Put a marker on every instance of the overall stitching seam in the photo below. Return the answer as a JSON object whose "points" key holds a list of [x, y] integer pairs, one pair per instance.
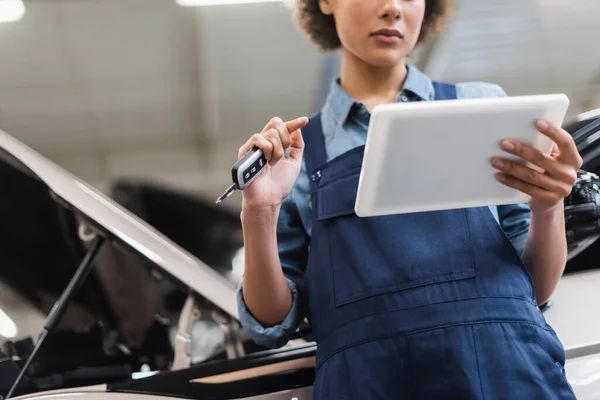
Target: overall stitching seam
{"points": [[539, 343], [340, 175], [470, 244], [480, 322], [498, 230], [415, 283], [444, 301], [331, 272], [477, 361], [350, 396], [563, 378], [310, 133], [332, 162], [412, 379]]}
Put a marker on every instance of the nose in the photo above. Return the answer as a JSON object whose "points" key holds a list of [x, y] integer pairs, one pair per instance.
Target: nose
{"points": [[391, 10]]}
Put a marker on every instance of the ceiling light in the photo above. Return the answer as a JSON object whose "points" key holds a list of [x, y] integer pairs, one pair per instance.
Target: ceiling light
{"points": [[8, 329], [11, 10], [197, 3]]}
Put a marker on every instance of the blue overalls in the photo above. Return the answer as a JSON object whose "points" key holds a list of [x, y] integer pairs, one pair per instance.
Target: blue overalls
{"points": [[433, 305]]}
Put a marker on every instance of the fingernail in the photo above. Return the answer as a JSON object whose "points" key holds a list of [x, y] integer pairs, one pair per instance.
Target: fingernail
{"points": [[508, 145], [542, 125], [501, 178], [498, 164]]}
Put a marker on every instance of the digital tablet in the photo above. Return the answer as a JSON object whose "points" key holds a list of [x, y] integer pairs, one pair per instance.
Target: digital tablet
{"points": [[435, 155]]}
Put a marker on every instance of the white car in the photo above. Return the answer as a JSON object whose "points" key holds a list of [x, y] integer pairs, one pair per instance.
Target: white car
{"points": [[150, 320]]}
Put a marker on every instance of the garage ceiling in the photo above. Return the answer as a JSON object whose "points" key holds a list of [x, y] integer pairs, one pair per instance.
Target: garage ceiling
{"points": [[146, 88]]}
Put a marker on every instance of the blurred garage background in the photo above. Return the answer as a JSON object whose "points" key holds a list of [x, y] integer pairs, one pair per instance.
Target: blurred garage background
{"points": [[149, 101], [156, 91]]}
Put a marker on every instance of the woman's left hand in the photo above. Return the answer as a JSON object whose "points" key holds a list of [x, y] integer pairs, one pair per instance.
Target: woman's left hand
{"points": [[547, 189]]}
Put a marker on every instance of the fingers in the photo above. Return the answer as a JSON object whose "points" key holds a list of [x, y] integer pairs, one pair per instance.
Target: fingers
{"points": [[531, 154], [289, 137], [548, 163], [564, 141], [296, 124], [554, 182], [561, 187], [280, 127], [297, 146], [536, 192], [276, 137], [259, 141]]}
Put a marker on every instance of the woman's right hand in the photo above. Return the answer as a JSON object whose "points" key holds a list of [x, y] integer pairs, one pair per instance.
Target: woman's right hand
{"points": [[274, 184]]}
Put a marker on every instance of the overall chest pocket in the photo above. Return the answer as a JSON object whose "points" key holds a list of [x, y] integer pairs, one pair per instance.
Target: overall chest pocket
{"points": [[377, 255]]}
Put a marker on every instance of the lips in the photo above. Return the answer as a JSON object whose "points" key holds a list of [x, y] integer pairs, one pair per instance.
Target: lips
{"points": [[388, 33]]}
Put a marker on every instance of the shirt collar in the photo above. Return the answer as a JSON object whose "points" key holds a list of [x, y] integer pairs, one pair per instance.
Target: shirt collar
{"points": [[416, 83]]}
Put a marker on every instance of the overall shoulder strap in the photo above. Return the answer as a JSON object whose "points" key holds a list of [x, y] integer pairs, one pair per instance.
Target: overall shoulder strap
{"points": [[314, 143], [444, 91]]}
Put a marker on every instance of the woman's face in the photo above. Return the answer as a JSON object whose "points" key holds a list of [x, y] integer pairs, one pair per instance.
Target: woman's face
{"points": [[379, 32]]}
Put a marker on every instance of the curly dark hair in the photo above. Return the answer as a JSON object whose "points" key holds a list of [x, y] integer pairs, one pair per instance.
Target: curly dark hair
{"points": [[321, 28]]}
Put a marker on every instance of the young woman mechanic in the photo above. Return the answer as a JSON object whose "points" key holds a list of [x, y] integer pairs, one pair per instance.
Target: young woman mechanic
{"points": [[427, 305]]}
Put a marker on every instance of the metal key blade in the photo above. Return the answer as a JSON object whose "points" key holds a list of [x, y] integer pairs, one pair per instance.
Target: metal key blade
{"points": [[227, 193]]}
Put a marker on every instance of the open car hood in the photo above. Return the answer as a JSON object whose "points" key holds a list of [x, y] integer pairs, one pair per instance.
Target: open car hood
{"points": [[27, 174]]}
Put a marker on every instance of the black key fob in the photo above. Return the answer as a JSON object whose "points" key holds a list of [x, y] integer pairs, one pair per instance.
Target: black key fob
{"points": [[247, 168]]}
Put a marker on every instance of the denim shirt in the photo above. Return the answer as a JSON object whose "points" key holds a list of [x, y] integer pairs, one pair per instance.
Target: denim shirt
{"points": [[345, 122]]}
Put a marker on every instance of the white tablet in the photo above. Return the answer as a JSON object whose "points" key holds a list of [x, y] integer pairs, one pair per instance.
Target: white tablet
{"points": [[435, 155]]}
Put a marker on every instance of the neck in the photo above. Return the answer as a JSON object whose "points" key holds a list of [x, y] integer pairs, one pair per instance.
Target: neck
{"points": [[371, 85]]}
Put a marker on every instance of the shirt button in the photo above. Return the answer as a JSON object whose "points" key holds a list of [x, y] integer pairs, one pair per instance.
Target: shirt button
{"points": [[404, 99]]}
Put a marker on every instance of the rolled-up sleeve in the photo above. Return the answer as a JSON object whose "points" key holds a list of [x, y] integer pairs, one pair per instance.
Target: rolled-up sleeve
{"points": [[292, 242], [274, 336]]}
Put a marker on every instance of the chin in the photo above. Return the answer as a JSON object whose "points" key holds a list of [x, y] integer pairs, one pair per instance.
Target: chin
{"points": [[386, 59]]}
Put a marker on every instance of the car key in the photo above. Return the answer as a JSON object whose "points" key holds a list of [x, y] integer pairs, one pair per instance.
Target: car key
{"points": [[245, 171]]}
